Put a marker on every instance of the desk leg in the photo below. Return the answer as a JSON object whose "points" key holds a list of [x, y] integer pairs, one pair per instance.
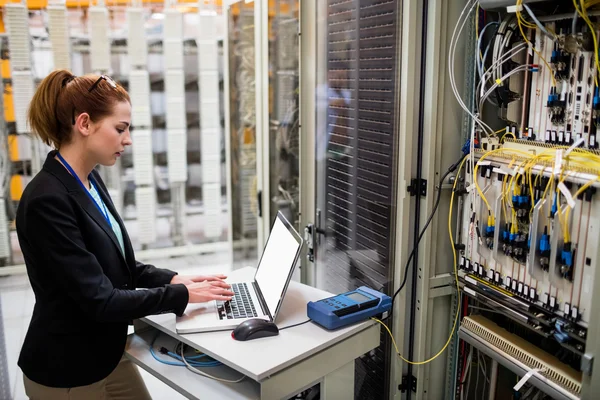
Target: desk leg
{"points": [[339, 384]]}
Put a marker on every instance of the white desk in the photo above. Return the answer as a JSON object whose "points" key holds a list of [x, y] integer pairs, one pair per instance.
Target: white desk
{"points": [[276, 367]]}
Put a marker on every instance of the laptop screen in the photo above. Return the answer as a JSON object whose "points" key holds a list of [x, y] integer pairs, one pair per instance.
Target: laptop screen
{"points": [[277, 262]]}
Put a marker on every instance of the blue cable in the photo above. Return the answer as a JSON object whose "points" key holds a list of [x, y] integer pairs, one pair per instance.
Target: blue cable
{"points": [[190, 359]]}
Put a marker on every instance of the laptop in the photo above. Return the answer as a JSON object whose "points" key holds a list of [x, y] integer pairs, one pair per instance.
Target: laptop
{"points": [[260, 298]]}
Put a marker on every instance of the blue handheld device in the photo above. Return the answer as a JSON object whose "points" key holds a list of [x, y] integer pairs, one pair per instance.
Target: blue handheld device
{"points": [[348, 308]]}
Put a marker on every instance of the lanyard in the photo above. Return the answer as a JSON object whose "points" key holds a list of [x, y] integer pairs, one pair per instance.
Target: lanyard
{"points": [[102, 210]]}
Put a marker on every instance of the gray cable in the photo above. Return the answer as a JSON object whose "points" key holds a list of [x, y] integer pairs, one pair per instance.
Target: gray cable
{"points": [[537, 22]]}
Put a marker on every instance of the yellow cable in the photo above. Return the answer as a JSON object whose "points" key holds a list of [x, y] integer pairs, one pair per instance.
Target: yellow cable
{"points": [[520, 23], [456, 281]]}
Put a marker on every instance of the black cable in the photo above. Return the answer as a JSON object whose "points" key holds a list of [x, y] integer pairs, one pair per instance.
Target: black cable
{"points": [[298, 324], [451, 169]]}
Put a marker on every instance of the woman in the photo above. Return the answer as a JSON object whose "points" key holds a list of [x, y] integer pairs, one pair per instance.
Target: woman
{"points": [[79, 257]]}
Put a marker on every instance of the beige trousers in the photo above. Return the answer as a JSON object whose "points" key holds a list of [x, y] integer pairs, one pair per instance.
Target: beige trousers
{"points": [[124, 383]]}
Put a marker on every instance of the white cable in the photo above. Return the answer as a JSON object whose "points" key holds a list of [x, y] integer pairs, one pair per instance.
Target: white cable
{"points": [[498, 64], [480, 63], [521, 68], [197, 371], [451, 61]]}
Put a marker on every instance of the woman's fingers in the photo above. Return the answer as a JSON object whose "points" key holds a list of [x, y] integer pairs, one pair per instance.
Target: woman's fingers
{"points": [[220, 284], [220, 297], [222, 291]]}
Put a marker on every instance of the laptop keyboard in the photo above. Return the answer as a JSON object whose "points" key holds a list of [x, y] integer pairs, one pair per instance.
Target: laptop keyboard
{"points": [[240, 306]]}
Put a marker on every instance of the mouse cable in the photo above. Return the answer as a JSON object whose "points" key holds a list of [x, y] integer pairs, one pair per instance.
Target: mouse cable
{"points": [[450, 169], [298, 324], [455, 267], [198, 372]]}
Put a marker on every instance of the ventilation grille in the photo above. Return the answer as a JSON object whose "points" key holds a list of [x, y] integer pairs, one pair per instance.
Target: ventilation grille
{"points": [[59, 36], [22, 93], [99, 39], [361, 67], [145, 202], [139, 90], [17, 24], [137, 47], [525, 352], [142, 158], [177, 155]]}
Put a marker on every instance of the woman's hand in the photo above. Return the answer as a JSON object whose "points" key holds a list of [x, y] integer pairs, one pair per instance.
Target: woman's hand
{"points": [[200, 292], [189, 279]]}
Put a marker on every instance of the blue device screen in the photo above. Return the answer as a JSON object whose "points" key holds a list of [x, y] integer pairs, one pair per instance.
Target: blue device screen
{"points": [[357, 297]]}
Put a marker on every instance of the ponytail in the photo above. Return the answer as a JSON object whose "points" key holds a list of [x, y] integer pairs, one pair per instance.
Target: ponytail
{"points": [[46, 109], [61, 97]]}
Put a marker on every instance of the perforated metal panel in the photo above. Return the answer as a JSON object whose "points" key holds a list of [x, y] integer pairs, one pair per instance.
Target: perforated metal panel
{"points": [[137, 46], [145, 201], [362, 54], [142, 158], [58, 28], [22, 94], [173, 25], [17, 25], [99, 40], [177, 155], [175, 96], [139, 91], [210, 123]]}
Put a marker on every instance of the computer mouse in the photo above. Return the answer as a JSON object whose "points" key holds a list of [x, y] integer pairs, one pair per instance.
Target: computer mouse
{"points": [[253, 329]]}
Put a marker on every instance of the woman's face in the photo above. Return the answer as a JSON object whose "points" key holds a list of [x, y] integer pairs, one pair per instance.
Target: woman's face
{"points": [[111, 135]]}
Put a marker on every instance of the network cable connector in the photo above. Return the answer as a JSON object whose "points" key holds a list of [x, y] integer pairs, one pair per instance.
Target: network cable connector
{"points": [[19, 43], [566, 258], [58, 28], [137, 46], [99, 38]]}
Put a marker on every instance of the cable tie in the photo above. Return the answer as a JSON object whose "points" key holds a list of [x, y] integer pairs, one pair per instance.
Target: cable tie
{"points": [[567, 194], [577, 143], [524, 379]]}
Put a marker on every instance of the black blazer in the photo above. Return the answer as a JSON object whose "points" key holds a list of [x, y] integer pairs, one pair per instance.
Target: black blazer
{"points": [[84, 286]]}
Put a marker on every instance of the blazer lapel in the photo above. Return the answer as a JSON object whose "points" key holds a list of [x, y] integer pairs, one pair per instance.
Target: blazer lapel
{"points": [[85, 200], [90, 207]]}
